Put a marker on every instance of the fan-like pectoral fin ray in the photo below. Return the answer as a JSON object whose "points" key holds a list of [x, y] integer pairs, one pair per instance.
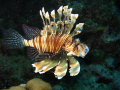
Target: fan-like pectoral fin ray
{"points": [[45, 65], [61, 69], [74, 66]]}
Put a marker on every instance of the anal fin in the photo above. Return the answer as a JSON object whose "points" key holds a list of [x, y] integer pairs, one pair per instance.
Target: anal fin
{"points": [[32, 52]]}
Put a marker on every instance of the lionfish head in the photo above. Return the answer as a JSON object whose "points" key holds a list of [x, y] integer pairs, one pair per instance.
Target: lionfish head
{"points": [[79, 49]]}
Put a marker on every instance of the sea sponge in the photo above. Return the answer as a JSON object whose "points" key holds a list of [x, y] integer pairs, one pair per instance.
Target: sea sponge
{"points": [[38, 84]]}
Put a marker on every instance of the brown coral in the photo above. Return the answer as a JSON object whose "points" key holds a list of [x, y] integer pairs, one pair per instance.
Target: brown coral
{"points": [[38, 84]]}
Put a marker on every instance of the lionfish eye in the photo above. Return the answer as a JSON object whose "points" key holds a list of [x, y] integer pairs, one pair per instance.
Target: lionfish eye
{"points": [[86, 50], [77, 44]]}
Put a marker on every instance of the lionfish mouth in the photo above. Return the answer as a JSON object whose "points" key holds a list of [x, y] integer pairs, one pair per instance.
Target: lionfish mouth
{"points": [[60, 63]]}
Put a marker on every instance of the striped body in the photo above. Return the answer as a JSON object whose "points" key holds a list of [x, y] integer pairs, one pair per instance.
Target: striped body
{"points": [[50, 43]]}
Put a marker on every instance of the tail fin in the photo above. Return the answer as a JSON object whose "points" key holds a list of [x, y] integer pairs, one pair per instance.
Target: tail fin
{"points": [[12, 39]]}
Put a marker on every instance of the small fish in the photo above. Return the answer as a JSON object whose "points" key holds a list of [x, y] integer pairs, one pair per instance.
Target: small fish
{"points": [[54, 46]]}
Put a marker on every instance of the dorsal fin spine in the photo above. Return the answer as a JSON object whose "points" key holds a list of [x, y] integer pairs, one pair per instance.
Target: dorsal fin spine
{"points": [[60, 12], [43, 11], [60, 30], [42, 17], [78, 29], [45, 15], [65, 11], [53, 16]]}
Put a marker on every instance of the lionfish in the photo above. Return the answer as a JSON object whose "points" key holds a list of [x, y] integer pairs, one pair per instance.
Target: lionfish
{"points": [[54, 46]]}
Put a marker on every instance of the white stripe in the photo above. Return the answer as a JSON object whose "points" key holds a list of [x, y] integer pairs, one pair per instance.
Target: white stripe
{"points": [[31, 43]]}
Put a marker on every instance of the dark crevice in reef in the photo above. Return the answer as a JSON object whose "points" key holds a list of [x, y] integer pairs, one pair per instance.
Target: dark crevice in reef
{"points": [[104, 80]]}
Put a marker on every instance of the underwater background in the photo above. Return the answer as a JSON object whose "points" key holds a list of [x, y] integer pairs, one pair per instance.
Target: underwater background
{"points": [[100, 69]]}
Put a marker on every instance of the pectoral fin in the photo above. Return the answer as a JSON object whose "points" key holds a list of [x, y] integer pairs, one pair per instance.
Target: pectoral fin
{"points": [[74, 66]]}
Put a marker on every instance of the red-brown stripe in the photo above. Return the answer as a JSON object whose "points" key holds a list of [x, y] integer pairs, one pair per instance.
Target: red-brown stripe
{"points": [[33, 43], [40, 44]]}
